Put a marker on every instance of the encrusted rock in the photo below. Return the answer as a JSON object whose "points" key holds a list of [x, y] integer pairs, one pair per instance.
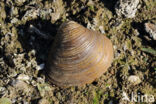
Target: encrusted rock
{"points": [[151, 29], [53, 9], [21, 85], [127, 8]]}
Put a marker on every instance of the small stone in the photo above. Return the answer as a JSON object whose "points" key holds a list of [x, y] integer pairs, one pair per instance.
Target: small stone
{"points": [[14, 20], [136, 32], [101, 29], [127, 8], [23, 77], [19, 2], [43, 101], [21, 85], [151, 29], [41, 80], [134, 79], [43, 89]]}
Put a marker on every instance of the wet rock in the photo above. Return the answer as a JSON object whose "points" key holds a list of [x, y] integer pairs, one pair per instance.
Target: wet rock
{"points": [[151, 29], [134, 79], [127, 8]]}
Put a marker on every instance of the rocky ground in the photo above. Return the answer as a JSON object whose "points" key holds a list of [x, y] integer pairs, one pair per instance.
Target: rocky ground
{"points": [[28, 28]]}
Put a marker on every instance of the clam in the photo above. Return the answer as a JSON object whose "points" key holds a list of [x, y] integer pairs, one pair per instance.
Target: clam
{"points": [[78, 56]]}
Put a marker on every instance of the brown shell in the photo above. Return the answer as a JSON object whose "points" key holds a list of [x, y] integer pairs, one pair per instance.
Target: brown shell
{"points": [[78, 55]]}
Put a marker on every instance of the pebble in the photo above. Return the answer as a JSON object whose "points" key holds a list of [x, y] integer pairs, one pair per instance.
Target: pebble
{"points": [[14, 20], [101, 29], [43, 101], [134, 79], [127, 8], [23, 77], [151, 29]]}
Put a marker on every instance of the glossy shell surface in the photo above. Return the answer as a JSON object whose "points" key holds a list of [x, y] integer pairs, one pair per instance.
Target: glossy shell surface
{"points": [[78, 55]]}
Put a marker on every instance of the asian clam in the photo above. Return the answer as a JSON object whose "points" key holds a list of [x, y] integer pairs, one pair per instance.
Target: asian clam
{"points": [[78, 55]]}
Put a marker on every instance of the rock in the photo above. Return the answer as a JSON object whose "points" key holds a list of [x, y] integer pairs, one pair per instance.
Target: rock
{"points": [[21, 85], [58, 8], [23, 77], [151, 29], [45, 13], [43, 101], [134, 79], [31, 14], [44, 89], [127, 8], [20, 2], [102, 29], [14, 20]]}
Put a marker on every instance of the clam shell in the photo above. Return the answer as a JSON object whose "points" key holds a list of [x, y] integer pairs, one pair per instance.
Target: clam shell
{"points": [[78, 55]]}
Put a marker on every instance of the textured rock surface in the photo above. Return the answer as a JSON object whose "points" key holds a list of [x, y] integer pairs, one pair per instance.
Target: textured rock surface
{"points": [[151, 29], [127, 8]]}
